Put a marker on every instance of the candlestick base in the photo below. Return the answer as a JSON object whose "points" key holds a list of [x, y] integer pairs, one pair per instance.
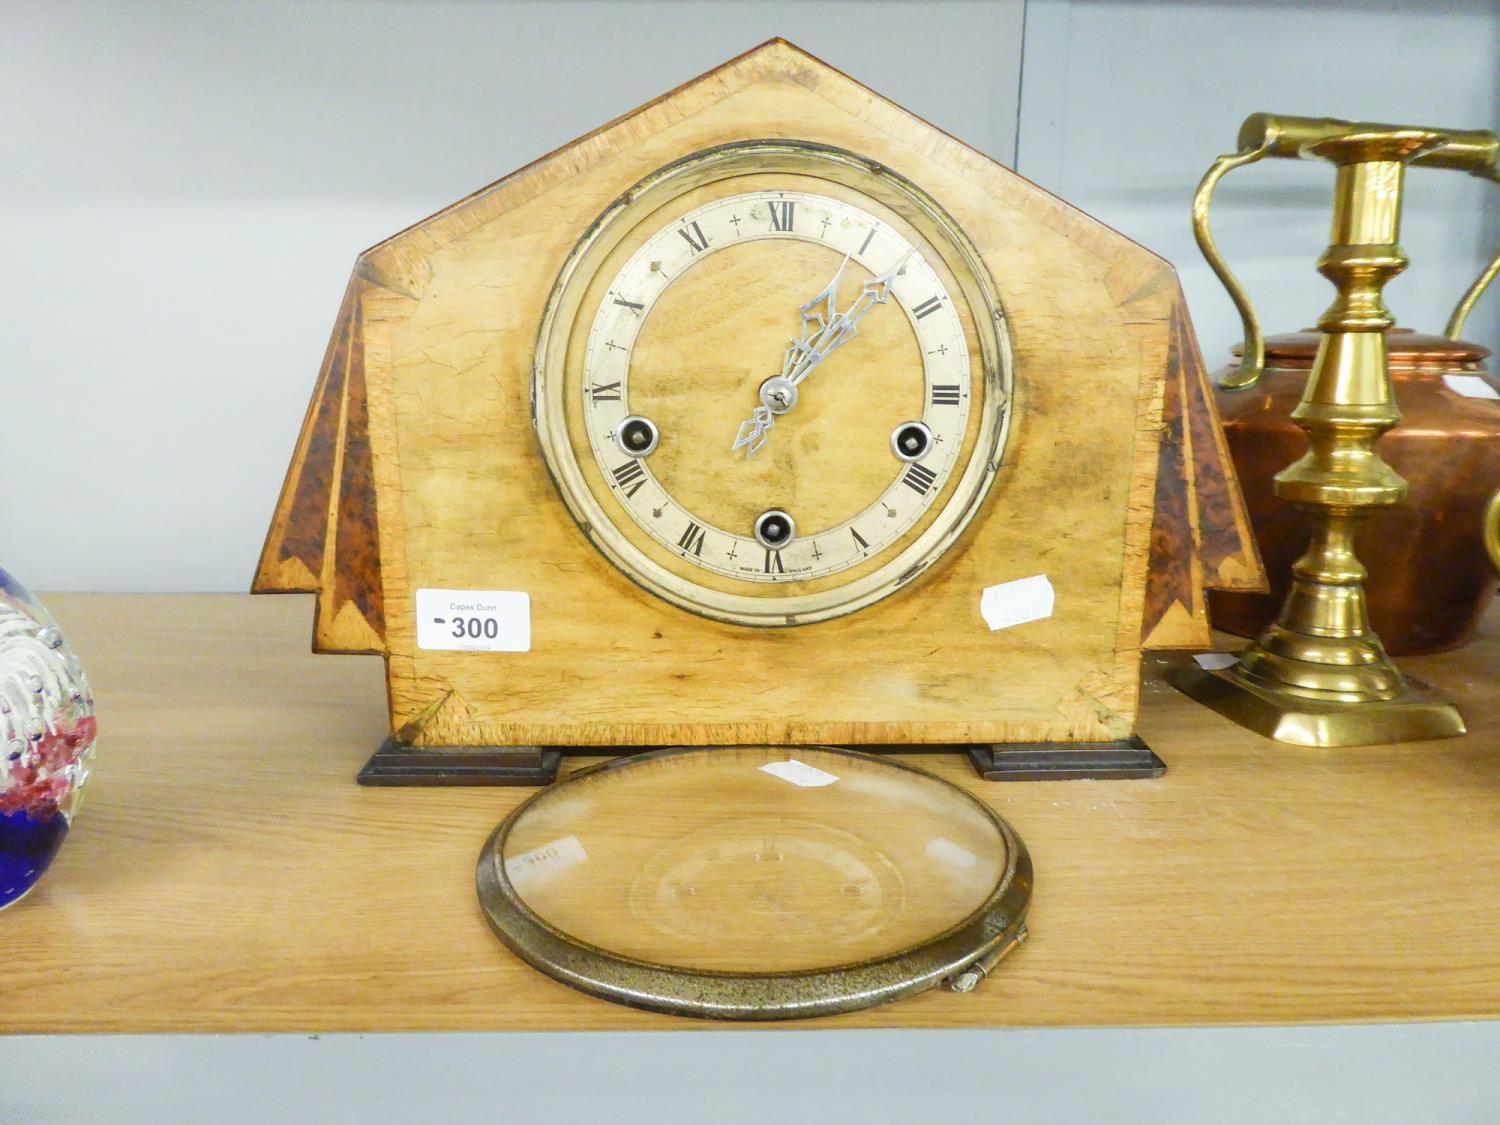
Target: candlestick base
{"points": [[1306, 717]]}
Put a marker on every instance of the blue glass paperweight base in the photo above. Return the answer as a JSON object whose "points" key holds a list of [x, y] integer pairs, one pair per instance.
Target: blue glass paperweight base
{"points": [[47, 732], [28, 843]]}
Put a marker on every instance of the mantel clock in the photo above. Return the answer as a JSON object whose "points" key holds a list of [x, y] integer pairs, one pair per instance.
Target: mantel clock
{"points": [[766, 414]]}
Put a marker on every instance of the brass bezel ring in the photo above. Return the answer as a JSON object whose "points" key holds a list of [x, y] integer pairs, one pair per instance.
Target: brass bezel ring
{"points": [[760, 995]]}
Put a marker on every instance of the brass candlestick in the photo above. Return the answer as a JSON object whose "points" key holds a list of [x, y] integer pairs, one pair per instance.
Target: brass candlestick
{"points": [[1318, 676]]}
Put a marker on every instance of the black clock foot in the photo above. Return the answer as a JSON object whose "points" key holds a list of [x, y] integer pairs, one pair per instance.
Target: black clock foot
{"points": [[1065, 761], [396, 764]]}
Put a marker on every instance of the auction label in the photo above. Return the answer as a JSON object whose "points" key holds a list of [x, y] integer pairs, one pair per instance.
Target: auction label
{"points": [[548, 859], [1470, 386], [1016, 603], [946, 851], [1213, 661], [800, 773], [474, 620]]}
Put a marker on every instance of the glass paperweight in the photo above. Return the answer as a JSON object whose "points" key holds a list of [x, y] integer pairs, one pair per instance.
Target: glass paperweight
{"points": [[756, 882], [47, 734]]}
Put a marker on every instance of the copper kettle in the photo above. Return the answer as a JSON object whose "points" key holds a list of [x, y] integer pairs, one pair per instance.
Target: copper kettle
{"points": [[1429, 575]]}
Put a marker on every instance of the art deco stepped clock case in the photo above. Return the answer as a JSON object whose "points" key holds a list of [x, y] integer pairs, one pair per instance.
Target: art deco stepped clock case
{"points": [[716, 426]]}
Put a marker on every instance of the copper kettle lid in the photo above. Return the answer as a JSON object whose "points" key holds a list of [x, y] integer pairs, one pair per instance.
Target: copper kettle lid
{"points": [[1407, 349]]}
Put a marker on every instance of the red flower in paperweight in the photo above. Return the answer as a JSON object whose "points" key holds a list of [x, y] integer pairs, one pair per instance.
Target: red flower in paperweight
{"points": [[47, 731]]}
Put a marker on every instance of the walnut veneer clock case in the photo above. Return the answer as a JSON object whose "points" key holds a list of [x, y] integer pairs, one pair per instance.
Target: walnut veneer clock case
{"points": [[746, 398]]}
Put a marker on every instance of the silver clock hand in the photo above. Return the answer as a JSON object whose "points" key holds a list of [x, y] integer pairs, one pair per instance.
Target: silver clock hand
{"points": [[841, 327], [824, 331]]}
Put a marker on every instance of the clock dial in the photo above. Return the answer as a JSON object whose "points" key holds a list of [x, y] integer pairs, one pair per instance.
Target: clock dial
{"points": [[876, 273], [772, 383]]}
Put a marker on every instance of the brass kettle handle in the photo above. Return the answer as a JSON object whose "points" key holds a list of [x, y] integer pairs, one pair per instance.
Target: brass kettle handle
{"points": [[1475, 151], [1471, 297]]}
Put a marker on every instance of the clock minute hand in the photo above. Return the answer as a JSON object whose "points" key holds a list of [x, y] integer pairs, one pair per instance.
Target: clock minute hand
{"points": [[824, 331], [838, 328]]}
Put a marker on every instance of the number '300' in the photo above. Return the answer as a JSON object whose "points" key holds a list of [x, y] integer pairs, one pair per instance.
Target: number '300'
{"points": [[476, 627]]}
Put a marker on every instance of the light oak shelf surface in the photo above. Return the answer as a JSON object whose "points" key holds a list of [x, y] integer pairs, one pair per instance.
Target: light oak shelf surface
{"points": [[226, 874]]}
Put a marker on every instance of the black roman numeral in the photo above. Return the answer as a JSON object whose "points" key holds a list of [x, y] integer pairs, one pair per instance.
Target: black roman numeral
{"points": [[630, 476], [945, 394], [773, 562], [692, 539], [858, 538], [605, 392], [781, 214], [919, 479], [630, 304], [698, 243], [927, 307], [865, 245]]}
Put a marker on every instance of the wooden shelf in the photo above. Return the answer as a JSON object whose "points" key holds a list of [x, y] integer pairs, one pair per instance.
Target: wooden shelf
{"points": [[226, 874]]}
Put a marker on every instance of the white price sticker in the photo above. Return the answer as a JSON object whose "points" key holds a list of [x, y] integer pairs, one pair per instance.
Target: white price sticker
{"points": [[474, 620], [1015, 603], [1471, 386], [551, 858], [800, 773], [1213, 661], [945, 850]]}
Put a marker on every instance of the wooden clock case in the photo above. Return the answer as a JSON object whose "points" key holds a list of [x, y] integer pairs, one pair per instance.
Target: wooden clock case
{"points": [[418, 466]]}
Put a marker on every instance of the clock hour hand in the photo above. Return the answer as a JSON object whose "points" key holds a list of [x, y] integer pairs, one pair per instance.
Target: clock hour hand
{"points": [[824, 330]]}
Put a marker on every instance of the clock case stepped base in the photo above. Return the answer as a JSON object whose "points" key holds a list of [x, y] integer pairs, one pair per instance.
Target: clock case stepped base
{"points": [[398, 764], [1122, 760]]}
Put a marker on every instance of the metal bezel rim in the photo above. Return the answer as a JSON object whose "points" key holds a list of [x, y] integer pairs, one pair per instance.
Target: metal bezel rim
{"points": [[750, 995]]}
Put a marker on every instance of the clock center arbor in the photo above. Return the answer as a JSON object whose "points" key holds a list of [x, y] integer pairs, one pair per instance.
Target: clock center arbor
{"points": [[747, 419]]}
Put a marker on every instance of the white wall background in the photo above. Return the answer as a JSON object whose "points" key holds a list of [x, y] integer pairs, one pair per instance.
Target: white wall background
{"points": [[1125, 103], [184, 187]]}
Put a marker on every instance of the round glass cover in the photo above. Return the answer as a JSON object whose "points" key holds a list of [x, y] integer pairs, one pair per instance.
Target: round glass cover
{"points": [[755, 882]]}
